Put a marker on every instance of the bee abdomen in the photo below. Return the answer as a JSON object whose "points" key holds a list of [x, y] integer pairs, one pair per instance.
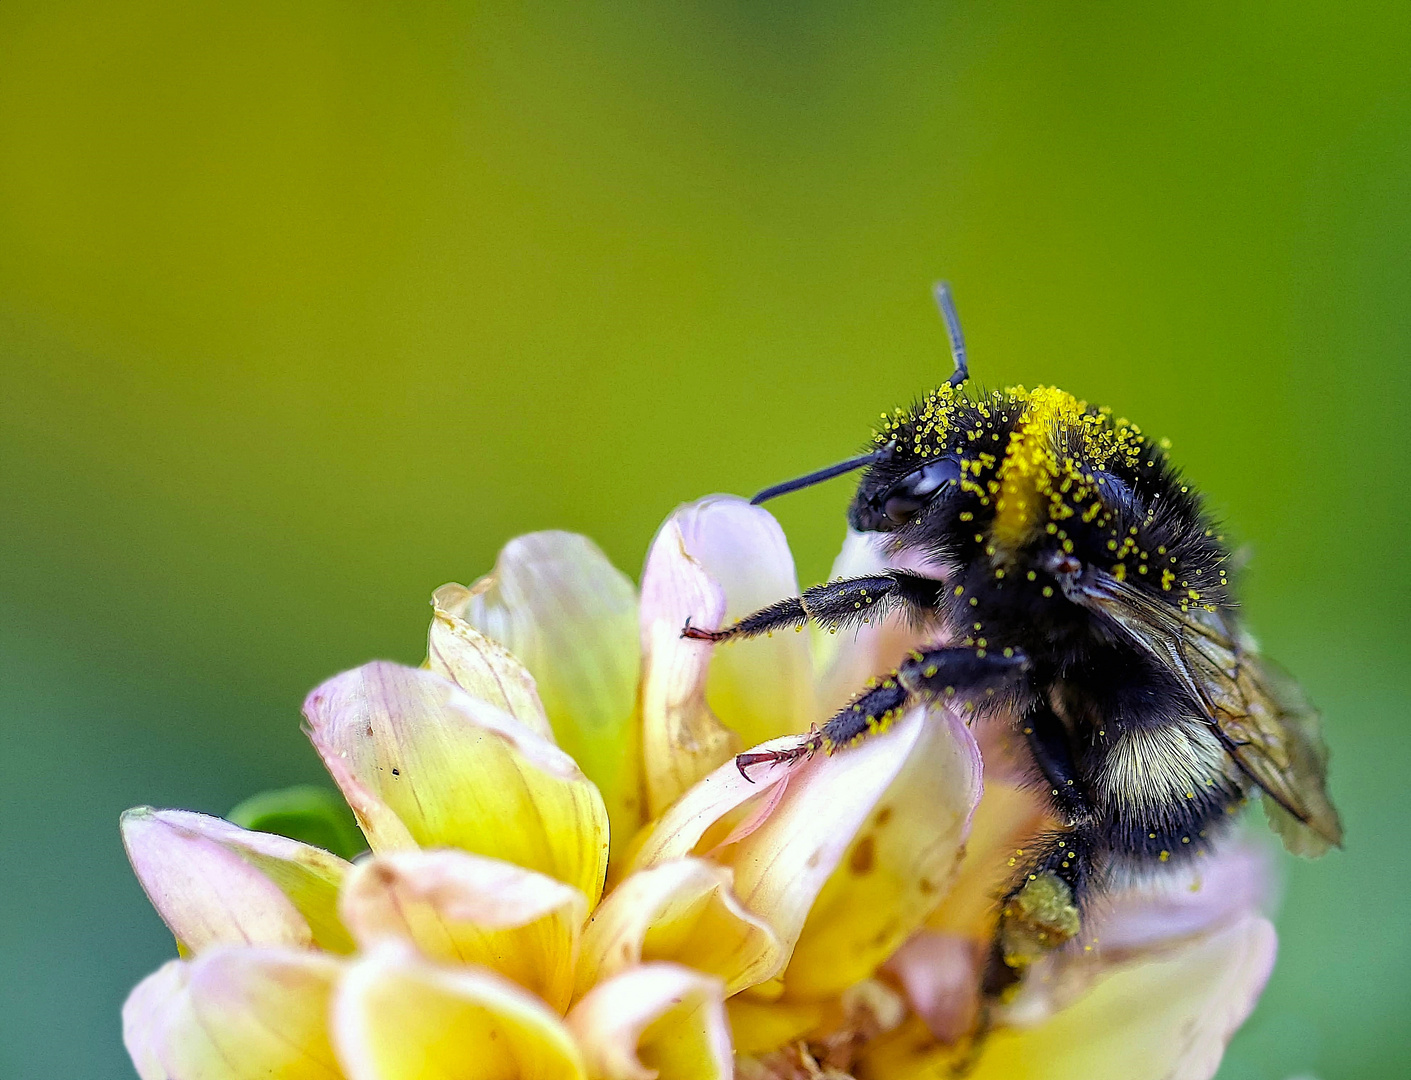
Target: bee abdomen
{"points": [[1165, 790]]}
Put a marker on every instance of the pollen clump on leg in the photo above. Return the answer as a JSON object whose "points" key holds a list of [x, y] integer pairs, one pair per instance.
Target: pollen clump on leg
{"points": [[1037, 919]]}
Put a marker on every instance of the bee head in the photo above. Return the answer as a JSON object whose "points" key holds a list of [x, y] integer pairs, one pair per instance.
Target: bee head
{"points": [[1012, 477], [897, 490]]}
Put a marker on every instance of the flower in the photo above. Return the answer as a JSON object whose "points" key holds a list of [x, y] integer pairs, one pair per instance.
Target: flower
{"points": [[569, 877]]}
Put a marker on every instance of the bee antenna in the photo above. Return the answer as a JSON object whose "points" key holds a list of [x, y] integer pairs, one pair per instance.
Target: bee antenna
{"points": [[825, 474], [946, 302]]}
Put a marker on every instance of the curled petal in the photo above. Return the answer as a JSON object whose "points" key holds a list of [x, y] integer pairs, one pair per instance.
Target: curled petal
{"points": [[682, 740], [215, 883], [684, 911], [1155, 917], [760, 688], [1209, 893], [656, 1020], [556, 603], [483, 668], [1167, 1018], [784, 846], [1009, 816], [424, 763], [467, 909], [897, 867], [234, 1013], [397, 1016]]}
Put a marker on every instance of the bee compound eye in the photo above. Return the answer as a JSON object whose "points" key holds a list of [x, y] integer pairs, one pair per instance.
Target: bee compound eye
{"points": [[917, 488], [900, 508]]}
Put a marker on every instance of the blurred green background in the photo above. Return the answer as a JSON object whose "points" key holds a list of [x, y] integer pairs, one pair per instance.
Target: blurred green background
{"points": [[306, 308]]}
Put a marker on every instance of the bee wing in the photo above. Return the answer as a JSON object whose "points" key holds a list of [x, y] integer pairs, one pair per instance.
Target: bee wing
{"points": [[1261, 715]]}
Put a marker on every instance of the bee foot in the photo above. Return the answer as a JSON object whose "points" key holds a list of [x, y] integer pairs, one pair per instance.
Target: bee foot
{"points": [[695, 633], [807, 748]]}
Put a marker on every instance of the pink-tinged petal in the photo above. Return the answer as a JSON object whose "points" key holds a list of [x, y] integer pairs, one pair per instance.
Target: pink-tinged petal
{"points": [[1156, 916], [760, 688], [557, 603], [1167, 1017], [467, 909], [1214, 891], [681, 911], [682, 740], [656, 1020], [1008, 817], [483, 668], [940, 974], [215, 883], [144, 1017], [845, 660], [397, 1016], [897, 867], [424, 763], [234, 1013], [829, 811]]}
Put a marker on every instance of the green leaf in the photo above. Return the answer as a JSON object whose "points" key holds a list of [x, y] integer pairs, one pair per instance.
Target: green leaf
{"points": [[310, 814]]}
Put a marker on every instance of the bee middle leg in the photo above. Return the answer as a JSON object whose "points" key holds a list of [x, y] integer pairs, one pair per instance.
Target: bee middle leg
{"points": [[963, 673]]}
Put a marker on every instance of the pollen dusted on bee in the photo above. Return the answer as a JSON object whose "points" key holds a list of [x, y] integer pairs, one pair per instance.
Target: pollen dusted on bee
{"points": [[1080, 598]]}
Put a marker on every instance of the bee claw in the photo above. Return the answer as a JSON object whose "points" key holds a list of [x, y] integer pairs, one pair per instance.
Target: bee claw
{"points": [[744, 761], [807, 748], [693, 633]]}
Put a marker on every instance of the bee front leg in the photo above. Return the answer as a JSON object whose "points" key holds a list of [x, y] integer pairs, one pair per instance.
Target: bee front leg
{"points": [[845, 602]]}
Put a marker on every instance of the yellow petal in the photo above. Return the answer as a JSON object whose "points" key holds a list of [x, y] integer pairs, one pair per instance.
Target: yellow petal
{"points": [[899, 865], [397, 1016], [467, 909], [759, 1027], [1162, 1018], [482, 668], [682, 740], [556, 602], [760, 688], [656, 1020], [213, 882], [1009, 816], [424, 763], [1201, 896], [234, 1013], [787, 833], [683, 911]]}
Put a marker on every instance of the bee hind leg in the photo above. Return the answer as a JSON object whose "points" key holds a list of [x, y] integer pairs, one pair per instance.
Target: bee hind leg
{"points": [[1043, 910]]}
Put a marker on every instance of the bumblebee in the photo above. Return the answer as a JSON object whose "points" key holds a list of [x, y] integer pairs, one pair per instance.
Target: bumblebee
{"points": [[1084, 594]]}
